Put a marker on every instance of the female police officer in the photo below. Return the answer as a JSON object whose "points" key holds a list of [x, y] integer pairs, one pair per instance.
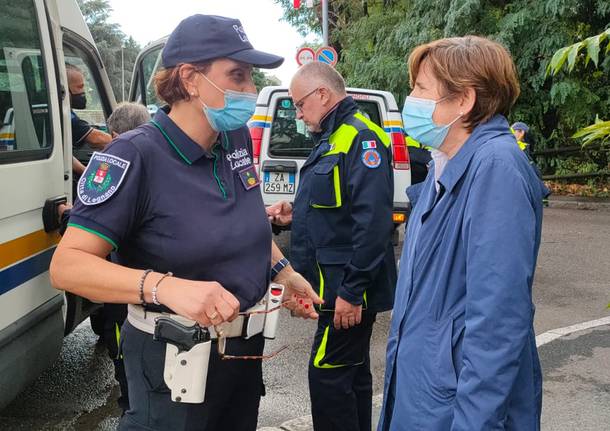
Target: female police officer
{"points": [[180, 194]]}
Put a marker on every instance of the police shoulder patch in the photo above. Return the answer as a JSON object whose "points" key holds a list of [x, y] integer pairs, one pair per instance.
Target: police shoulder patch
{"points": [[102, 178], [371, 158]]}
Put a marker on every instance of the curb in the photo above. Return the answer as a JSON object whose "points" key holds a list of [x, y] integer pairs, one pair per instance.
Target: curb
{"points": [[579, 203]]}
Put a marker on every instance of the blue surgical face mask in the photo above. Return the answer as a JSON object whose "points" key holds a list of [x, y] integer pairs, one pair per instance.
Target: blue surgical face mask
{"points": [[418, 123], [238, 109]]}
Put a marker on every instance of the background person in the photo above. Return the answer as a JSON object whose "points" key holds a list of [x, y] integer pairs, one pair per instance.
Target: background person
{"points": [[341, 240]]}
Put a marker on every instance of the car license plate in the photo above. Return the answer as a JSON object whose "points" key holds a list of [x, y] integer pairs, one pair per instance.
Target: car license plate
{"points": [[279, 182]]}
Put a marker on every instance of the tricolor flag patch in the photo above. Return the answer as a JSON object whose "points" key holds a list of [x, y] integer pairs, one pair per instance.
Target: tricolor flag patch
{"points": [[366, 145]]}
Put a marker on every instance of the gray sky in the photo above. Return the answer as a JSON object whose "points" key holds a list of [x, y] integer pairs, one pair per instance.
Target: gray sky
{"points": [[148, 20]]}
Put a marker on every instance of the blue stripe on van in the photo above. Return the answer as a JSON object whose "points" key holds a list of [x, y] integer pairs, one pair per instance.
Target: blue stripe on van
{"points": [[18, 274], [263, 124]]}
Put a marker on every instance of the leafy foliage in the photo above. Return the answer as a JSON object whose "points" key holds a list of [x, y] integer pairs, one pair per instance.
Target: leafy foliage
{"points": [[374, 37], [110, 40], [591, 46], [261, 79]]}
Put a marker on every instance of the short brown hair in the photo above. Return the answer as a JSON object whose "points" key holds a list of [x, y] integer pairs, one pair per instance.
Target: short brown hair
{"points": [[169, 85], [471, 62]]}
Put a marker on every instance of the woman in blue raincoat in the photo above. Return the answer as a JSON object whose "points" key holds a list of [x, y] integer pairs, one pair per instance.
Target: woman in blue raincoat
{"points": [[462, 351]]}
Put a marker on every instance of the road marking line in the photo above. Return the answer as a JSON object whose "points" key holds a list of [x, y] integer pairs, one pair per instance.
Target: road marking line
{"points": [[553, 334], [542, 339]]}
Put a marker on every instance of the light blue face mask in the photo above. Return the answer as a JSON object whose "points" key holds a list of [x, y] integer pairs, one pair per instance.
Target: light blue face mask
{"points": [[418, 123], [238, 109]]}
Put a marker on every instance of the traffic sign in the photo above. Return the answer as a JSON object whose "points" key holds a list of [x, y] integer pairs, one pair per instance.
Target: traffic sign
{"points": [[305, 55], [328, 55]]}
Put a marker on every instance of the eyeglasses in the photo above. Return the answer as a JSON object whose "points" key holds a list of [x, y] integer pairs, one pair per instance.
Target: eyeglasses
{"points": [[222, 341], [299, 105]]}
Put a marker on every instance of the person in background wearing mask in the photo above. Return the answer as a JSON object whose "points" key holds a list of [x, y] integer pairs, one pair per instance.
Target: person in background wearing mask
{"points": [[341, 240], [179, 201], [462, 350], [82, 132]]}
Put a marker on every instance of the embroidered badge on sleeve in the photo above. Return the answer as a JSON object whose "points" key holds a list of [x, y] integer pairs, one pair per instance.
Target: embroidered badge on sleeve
{"points": [[371, 158], [102, 178]]}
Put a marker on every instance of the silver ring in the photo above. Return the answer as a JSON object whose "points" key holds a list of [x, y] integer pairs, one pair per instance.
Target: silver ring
{"points": [[213, 316]]}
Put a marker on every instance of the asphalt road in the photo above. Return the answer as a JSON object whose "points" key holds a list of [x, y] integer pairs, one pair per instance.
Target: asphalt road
{"points": [[572, 285]]}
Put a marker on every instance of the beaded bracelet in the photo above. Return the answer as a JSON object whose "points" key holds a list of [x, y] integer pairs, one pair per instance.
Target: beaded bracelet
{"points": [[156, 286], [144, 275]]}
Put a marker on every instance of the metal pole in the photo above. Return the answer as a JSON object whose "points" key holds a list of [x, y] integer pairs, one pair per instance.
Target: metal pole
{"points": [[122, 74], [325, 21]]}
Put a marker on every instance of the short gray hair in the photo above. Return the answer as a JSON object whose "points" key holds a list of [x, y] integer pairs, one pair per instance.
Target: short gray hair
{"points": [[127, 116], [321, 74]]}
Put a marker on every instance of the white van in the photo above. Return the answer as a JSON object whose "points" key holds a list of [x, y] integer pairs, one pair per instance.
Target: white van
{"points": [[281, 143], [37, 37]]}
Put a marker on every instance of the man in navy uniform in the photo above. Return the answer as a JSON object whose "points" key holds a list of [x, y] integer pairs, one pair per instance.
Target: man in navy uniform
{"points": [[341, 242]]}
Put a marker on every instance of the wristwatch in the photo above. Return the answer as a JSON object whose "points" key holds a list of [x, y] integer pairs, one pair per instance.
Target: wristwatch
{"points": [[277, 268]]}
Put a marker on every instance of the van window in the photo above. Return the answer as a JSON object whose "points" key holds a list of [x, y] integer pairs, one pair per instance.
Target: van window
{"points": [[93, 113], [25, 131], [289, 136], [149, 66]]}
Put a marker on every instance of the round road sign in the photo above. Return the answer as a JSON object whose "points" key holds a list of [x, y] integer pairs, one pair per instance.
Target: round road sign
{"points": [[328, 55], [305, 55]]}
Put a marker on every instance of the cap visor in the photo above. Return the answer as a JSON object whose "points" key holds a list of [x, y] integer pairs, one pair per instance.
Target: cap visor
{"points": [[257, 58]]}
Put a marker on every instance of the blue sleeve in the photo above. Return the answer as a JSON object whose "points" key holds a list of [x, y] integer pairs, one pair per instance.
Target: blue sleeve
{"points": [[370, 191], [112, 204], [80, 130], [500, 243]]}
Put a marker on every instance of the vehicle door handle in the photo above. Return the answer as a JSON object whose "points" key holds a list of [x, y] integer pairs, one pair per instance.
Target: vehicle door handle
{"points": [[50, 215]]}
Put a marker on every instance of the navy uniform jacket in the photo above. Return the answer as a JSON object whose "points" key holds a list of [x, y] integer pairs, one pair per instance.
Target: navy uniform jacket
{"points": [[167, 204], [343, 246]]}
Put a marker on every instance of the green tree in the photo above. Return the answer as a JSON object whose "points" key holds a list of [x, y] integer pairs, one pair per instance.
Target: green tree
{"points": [[567, 58], [261, 79], [374, 38], [118, 51]]}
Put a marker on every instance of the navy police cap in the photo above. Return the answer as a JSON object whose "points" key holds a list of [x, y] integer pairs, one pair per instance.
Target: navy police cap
{"points": [[201, 38]]}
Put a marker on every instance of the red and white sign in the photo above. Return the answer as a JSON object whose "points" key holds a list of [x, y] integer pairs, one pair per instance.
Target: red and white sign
{"points": [[305, 55], [297, 3]]}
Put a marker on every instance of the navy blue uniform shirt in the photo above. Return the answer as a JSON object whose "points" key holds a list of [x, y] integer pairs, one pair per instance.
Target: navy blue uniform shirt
{"points": [[165, 203], [346, 250], [80, 130]]}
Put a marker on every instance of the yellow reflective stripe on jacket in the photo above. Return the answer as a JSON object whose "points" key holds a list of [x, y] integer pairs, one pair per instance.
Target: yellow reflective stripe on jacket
{"points": [[375, 128], [412, 142], [342, 139], [337, 186], [322, 352], [117, 333], [321, 293]]}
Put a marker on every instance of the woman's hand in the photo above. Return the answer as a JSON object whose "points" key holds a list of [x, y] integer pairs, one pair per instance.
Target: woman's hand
{"points": [[299, 296], [280, 213], [206, 302]]}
